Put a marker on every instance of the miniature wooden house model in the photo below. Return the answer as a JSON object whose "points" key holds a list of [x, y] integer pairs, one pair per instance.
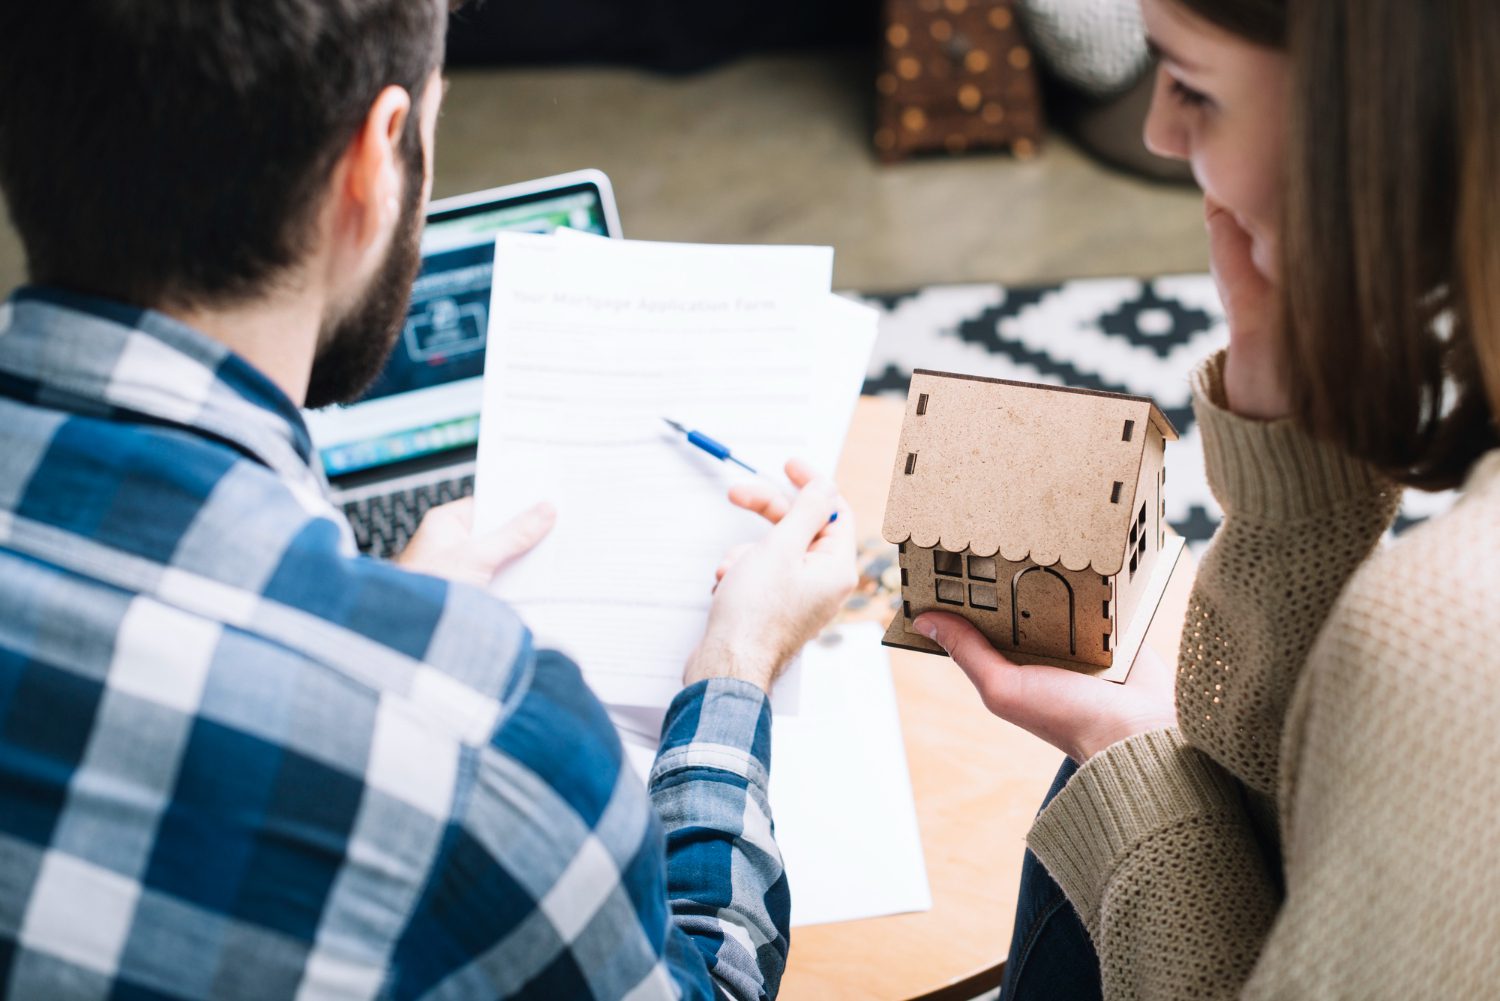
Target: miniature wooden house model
{"points": [[1034, 512]]}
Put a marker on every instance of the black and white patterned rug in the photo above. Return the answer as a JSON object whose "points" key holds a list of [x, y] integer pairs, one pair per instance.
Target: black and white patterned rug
{"points": [[1124, 335]]}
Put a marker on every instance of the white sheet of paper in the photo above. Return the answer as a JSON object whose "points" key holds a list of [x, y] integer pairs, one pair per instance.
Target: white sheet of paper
{"points": [[591, 344], [841, 796]]}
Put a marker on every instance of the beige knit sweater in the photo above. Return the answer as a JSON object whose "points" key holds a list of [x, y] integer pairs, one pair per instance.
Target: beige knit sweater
{"points": [[1339, 706]]}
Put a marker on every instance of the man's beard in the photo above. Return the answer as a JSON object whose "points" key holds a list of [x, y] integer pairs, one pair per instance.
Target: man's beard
{"points": [[357, 343]]}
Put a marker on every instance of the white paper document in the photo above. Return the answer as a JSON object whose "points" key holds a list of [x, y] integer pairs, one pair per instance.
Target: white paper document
{"points": [[841, 796], [591, 344]]}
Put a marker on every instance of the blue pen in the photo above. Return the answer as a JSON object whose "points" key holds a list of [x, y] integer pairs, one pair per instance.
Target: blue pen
{"points": [[713, 448], [719, 451]]}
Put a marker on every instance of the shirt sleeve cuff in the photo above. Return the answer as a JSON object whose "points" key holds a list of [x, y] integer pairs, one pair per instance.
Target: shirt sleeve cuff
{"points": [[1116, 802], [719, 724], [1273, 470]]}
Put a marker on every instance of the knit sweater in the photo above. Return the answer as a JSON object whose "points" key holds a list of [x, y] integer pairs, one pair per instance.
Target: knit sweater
{"points": [[1322, 823]]}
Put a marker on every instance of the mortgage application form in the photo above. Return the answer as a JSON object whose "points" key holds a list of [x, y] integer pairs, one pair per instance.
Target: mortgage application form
{"points": [[591, 344]]}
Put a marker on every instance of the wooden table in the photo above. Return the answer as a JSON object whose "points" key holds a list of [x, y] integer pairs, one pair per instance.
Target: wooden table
{"points": [[977, 781]]}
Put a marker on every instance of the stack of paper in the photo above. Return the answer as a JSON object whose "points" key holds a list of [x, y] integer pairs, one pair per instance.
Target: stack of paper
{"points": [[592, 343]]}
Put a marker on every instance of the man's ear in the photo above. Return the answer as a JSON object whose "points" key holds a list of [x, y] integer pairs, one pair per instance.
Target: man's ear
{"points": [[373, 171]]}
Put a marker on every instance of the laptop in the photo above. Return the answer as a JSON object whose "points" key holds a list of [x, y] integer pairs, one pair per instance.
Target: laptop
{"points": [[409, 443]]}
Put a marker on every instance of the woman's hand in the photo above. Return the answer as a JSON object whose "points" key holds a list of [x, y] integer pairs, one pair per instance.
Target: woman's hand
{"points": [[444, 545], [1076, 713], [774, 596], [1254, 369]]}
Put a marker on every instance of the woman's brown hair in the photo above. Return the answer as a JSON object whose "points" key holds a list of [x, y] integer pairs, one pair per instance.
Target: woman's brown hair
{"points": [[1390, 239]]}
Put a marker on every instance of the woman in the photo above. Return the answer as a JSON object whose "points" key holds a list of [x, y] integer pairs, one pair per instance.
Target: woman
{"points": [[1317, 817]]}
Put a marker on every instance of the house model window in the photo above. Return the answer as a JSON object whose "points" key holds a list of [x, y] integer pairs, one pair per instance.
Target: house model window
{"points": [[1036, 513]]}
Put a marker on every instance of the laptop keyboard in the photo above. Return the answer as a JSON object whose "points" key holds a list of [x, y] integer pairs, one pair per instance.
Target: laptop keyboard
{"points": [[383, 524]]}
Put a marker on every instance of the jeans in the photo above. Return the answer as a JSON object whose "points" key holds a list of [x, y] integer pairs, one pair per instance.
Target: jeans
{"points": [[1051, 956]]}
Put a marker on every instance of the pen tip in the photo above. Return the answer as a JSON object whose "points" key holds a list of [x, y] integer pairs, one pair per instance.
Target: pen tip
{"points": [[675, 426]]}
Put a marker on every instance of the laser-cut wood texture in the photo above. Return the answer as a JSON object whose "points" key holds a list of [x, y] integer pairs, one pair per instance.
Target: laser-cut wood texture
{"points": [[1033, 495]]}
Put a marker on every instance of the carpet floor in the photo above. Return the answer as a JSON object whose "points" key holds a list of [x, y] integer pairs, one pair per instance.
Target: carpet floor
{"points": [[1123, 335]]}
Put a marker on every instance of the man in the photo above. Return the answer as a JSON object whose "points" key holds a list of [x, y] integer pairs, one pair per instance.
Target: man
{"points": [[237, 759]]}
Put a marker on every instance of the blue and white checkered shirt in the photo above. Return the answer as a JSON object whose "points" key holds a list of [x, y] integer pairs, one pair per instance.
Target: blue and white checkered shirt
{"points": [[238, 760]]}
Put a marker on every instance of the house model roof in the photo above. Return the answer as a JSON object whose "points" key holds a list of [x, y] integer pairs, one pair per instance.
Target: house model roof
{"points": [[1026, 471]]}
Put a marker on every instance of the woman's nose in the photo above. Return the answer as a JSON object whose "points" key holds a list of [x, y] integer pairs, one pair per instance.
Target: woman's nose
{"points": [[1165, 133]]}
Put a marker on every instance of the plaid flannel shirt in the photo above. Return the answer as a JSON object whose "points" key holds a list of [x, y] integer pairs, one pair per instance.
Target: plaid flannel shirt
{"points": [[239, 760]]}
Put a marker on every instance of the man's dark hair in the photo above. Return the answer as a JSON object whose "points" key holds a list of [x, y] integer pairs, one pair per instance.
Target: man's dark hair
{"points": [[174, 151]]}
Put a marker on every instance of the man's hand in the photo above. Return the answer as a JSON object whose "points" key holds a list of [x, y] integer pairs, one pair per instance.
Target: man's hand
{"points": [[445, 545], [1254, 369], [774, 596], [1076, 713]]}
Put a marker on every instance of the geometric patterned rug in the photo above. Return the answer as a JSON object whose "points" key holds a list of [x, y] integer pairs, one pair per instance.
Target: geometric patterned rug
{"points": [[1124, 335]]}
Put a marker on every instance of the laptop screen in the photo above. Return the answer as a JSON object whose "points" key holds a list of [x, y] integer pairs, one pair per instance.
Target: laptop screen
{"points": [[427, 399]]}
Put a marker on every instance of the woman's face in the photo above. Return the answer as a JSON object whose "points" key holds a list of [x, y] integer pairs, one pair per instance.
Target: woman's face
{"points": [[1221, 105]]}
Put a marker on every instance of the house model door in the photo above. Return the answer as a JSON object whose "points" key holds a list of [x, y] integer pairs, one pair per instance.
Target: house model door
{"points": [[1044, 613]]}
